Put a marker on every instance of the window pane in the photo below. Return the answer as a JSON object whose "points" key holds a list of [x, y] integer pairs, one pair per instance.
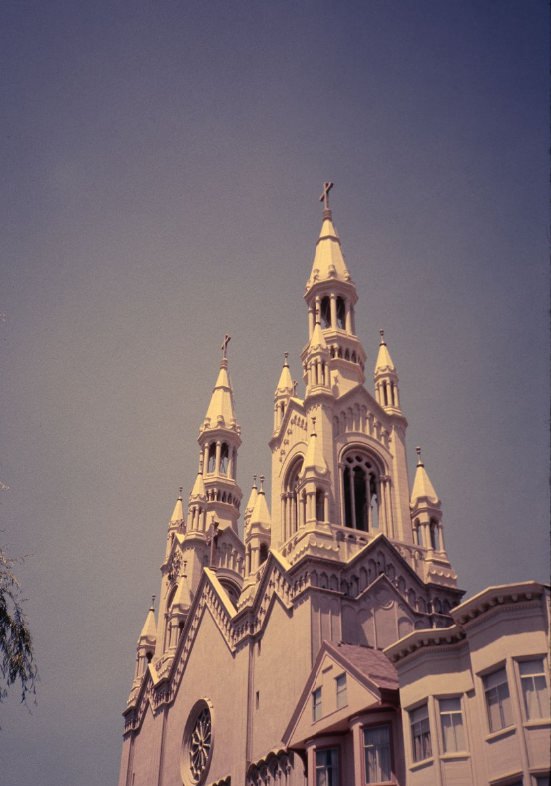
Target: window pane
{"points": [[327, 767], [534, 689], [497, 700], [377, 754], [420, 733], [451, 719]]}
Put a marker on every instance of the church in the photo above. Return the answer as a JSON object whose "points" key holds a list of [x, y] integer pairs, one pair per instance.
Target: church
{"points": [[320, 638]]}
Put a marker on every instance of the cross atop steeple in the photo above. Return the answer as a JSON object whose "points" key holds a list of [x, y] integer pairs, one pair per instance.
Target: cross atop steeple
{"points": [[224, 347], [327, 186]]}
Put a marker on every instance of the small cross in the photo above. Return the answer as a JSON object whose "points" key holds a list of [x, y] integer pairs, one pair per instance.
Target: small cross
{"points": [[325, 194], [224, 346]]}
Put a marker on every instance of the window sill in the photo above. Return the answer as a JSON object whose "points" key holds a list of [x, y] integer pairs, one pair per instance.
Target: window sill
{"points": [[455, 755], [496, 735], [419, 765], [535, 723]]}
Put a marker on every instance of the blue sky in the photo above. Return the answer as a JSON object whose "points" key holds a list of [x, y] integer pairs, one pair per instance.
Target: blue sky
{"points": [[162, 164]]}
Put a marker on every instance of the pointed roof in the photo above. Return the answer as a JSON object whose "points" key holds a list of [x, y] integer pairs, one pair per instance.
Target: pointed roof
{"points": [[182, 598], [221, 411], [198, 491], [384, 361], [261, 514], [423, 490], [285, 384], [252, 499], [149, 630], [178, 512], [313, 460], [318, 342], [328, 260]]}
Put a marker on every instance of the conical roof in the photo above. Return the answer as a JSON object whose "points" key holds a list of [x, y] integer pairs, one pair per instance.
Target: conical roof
{"points": [[198, 491], [285, 384], [328, 260], [182, 599], [261, 514], [149, 630], [384, 361], [318, 342], [314, 460], [178, 512], [252, 499], [423, 490], [221, 411]]}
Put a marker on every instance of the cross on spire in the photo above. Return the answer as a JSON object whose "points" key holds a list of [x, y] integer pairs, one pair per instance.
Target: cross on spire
{"points": [[224, 347], [327, 186]]}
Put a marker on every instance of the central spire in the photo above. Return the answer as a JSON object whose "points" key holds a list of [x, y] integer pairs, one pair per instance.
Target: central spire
{"points": [[331, 297]]}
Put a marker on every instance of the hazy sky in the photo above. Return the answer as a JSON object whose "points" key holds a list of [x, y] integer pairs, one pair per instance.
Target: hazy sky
{"points": [[161, 167]]}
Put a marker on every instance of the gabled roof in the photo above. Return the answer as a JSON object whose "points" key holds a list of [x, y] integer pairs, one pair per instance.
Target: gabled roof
{"points": [[370, 668]]}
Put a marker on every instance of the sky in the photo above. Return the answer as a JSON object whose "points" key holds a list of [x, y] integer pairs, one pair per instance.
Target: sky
{"points": [[162, 163]]}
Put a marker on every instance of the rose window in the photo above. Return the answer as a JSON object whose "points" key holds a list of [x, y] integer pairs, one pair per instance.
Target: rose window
{"points": [[197, 744], [200, 744]]}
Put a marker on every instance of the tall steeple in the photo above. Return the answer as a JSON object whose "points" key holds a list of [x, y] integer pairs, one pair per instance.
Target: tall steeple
{"points": [[219, 439], [284, 391], [386, 379], [426, 515], [331, 297]]}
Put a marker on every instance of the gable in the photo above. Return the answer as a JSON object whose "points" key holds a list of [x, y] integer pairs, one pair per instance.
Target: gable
{"points": [[341, 684]]}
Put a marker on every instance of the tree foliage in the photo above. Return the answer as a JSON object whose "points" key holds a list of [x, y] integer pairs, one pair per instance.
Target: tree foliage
{"points": [[17, 661]]}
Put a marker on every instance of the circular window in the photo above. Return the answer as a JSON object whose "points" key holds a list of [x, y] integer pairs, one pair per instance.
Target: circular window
{"points": [[197, 744]]}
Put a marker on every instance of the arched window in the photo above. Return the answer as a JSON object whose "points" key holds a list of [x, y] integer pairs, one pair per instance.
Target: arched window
{"points": [[291, 497], [212, 457], [325, 315], [320, 506], [341, 313], [360, 483], [224, 459], [434, 535]]}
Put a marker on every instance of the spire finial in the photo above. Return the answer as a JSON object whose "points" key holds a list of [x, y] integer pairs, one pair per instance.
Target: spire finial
{"points": [[254, 482], [419, 459], [314, 427], [382, 335], [152, 607], [327, 186], [285, 361], [261, 484], [224, 346], [180, 491], [295, 385]]}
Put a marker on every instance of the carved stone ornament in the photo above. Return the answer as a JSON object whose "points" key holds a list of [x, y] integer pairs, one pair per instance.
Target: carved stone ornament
{"points": [[174, 566]]}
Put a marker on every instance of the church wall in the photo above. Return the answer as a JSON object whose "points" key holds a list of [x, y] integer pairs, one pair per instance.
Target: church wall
{"points": [[281, 666], [144, 758], [212, 673]]}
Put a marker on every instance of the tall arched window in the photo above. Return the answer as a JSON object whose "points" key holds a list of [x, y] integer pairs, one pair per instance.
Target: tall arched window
{"points": [[325, 315], [434, 535], [224, 459], [320, 505], [360, 485], [341, 313], [212, 457], [291, 504]]}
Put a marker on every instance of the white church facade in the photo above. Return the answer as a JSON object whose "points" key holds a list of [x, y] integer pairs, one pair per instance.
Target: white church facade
{"points": [[328, 644]]}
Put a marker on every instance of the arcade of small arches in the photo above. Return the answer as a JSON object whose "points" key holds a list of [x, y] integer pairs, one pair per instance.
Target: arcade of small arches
{"points": [[335, 312], [220, 459], [428, 534], [300, 506], [353, 585]]}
